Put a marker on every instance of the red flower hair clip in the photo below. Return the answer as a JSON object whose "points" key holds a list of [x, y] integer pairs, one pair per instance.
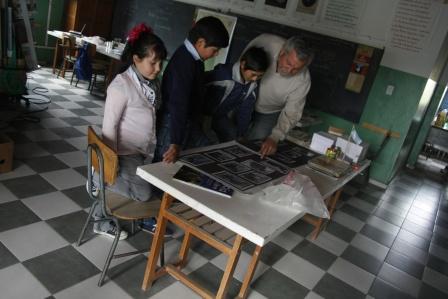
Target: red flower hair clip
{"points": [[135, 32]]}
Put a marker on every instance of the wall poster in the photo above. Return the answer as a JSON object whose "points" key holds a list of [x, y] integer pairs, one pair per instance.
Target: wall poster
{"points": [[230, 23], [343, 14]]}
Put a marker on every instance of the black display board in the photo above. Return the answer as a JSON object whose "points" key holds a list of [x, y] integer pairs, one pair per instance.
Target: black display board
{"points": [[240, 166], [170, 20], [329, 70]]}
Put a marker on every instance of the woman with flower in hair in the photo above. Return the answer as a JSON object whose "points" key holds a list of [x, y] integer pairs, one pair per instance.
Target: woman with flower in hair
{"points": [[130, 117]]}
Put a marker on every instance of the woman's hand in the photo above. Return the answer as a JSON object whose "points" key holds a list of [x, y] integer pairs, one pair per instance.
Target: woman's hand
{"points": [[170, 156]]}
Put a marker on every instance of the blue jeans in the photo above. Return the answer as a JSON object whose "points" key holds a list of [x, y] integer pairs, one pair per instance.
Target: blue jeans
{"points": [[262, 125], [194, 137]]}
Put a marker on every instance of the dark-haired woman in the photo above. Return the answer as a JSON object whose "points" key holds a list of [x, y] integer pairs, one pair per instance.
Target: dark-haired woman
{"points": [[130, 116]]}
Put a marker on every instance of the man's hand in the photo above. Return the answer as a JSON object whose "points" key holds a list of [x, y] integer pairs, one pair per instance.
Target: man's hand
{"points": [[170, 156], [269, 147]]}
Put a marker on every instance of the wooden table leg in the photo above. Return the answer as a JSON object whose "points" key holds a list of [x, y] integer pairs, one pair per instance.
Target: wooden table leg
{"points": [[183, 253], [333, 201], [250, 272], [64, 66], [230, 268], [157, 243], [55, 57], [331, 206], [317, 228]]}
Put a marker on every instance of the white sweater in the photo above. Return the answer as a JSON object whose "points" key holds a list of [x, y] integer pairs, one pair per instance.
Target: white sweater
{"points": [[129, 123], [278, 93]]}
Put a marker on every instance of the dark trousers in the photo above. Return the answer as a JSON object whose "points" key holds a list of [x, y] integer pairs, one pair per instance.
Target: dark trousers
{"points": [[225, 128], [194, 137]]}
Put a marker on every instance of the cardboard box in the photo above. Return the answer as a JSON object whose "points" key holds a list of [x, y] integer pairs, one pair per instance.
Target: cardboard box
{"points": [[6, 153]]}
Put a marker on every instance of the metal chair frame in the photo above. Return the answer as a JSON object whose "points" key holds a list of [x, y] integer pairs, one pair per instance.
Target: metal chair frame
{"points": [[101, 200]]}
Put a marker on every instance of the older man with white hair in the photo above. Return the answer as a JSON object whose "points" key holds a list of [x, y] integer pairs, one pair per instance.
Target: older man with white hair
{"points": [[283, 89]]}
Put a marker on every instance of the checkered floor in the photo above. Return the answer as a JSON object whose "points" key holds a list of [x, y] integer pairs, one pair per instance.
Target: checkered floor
{"points": [[382, 244]]}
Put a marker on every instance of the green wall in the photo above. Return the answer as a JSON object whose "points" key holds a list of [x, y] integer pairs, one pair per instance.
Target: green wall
{"points": [[393, 112], [45, 53]]}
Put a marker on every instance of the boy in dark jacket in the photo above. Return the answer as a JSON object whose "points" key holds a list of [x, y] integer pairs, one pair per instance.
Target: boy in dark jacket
{"points": [[179, 120], [231, 92]]}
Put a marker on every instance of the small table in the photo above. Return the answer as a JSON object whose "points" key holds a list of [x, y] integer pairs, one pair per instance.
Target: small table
{"points": [[224, 223], [437, 141], [111, 53]]}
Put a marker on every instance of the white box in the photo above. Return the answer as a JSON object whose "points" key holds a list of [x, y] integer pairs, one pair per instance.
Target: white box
{"points": [[321, 141], [353, 151]]}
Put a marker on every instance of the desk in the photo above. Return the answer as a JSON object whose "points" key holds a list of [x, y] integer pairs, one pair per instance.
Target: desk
{"points": [[245, 217], [438, 141], [111, 53], [114, 54]]}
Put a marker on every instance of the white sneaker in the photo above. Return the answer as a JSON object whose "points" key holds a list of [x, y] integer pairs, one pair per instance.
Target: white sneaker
{"points": [[95, 189], [111, 233]]}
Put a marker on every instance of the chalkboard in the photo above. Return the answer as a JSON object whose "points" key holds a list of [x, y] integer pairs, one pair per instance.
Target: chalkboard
{"points": [[329, 70], [170, 20]]}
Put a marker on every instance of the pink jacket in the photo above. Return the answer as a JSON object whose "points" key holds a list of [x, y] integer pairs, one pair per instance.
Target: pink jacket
{"points": [[129, 124]]}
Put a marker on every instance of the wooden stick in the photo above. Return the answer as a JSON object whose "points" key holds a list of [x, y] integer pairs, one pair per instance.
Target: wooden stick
{"points": [[157, 243], [380, 130], [333, 201], [250, 272], [231, 264], [183, 253], [198, 232], [188, 282]]}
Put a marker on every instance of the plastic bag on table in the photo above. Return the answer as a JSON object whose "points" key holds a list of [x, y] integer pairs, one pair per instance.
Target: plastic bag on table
{"points": [[297, 191]]}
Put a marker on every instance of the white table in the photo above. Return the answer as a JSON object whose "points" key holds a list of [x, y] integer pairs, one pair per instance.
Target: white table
{"points": [[255, 220], [247, 217]]}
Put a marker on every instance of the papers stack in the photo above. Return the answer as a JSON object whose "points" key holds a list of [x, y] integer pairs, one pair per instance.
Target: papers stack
{"points": [[333, 167]]}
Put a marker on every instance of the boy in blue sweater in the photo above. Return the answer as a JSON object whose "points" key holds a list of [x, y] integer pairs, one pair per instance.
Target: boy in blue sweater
{"points": [[179, 120], [231, 92]]}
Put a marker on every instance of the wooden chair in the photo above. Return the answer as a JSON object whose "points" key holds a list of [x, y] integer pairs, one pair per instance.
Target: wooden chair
{"points": [[115, 207], [69, 53], [99, 68]]}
